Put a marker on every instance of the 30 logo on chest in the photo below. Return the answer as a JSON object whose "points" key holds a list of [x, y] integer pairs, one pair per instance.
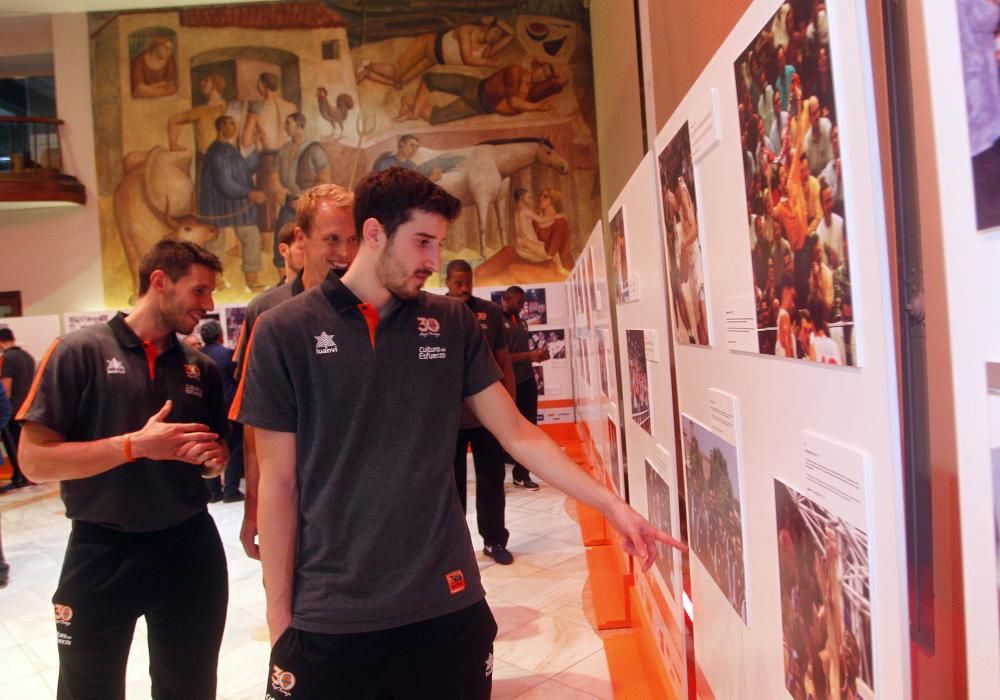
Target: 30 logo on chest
{"points": [[428, 326]]}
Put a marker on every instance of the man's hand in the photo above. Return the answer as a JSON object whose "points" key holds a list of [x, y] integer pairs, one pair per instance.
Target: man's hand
{"points": [[639, 537], [186, 442], [277, 623], [248, 531], [540, 355], [257, 197]]}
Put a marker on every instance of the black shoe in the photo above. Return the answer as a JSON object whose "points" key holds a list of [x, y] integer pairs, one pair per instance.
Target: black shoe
{"points": [[526, 484], [14, 485], [233, 497], [499, 554], [215, 498]]}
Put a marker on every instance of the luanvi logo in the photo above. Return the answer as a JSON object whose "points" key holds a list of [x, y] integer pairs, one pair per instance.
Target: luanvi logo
{"points": [[325, 344], [115, 366]]}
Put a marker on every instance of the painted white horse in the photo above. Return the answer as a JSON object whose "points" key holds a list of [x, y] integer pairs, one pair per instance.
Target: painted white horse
{"points": [[480, 174]]}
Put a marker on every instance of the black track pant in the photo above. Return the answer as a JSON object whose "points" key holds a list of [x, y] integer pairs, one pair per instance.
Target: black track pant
{"points": [[526, 397], [487, 456], [176, 578], [448, 657]]}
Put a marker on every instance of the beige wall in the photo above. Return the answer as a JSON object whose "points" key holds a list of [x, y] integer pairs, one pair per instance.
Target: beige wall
{"points": [[53, 256]]}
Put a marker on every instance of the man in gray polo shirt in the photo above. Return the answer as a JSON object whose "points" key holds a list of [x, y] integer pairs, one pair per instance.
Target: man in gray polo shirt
{"points": [[372, 584], [324, 228]]}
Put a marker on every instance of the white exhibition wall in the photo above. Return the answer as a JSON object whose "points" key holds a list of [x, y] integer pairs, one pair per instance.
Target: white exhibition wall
{"points": [[972, 259], [653, 445], [802, 438]]}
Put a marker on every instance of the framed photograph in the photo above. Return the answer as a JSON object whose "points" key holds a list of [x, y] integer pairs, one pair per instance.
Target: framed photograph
{"points": [[979, 28], [554, 340], [682, 235], [539, 372], [620, 256], [615, 464], [794, 183], [825, 598], [715, 510], [638, 378], [658, 504]]}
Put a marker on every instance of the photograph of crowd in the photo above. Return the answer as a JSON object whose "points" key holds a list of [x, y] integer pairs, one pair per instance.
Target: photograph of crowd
{"points": [[825, 601], [554, 340], [619, 256], [603, 340], [534, 312], [615, 466], [795, 188], [979, 35], [683, 238], [715, 513], [539, 372], [638, 378], [234, 324], [993, 403], [658, 501]]}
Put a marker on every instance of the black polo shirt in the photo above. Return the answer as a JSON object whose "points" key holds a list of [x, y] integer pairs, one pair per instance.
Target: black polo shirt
{"points": [[19, 366], [517, 342], [374, 404], [267, 299], [102, 381], [490, 318]]}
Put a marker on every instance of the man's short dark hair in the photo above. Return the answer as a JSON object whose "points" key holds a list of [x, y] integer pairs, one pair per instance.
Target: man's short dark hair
{"points": [[211, 332], [299, 118], [391, 196], [219, 121], [512, 290], [457, 265], [406, 138], [6, 335], [175, 258], [287, 233]]}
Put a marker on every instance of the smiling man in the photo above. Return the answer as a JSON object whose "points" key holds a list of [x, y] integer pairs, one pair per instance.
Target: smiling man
{"points": [[325, 235], [354, 390], [131, 420]]}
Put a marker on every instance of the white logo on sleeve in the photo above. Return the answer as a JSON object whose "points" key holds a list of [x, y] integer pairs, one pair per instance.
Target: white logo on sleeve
{"points": [[116, 366], [325, 344]]}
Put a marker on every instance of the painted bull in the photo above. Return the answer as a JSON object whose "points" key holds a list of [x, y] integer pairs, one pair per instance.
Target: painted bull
{"points": [[154, 200]]}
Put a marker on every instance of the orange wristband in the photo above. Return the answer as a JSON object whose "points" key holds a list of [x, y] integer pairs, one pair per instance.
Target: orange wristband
{"points": [[128, 448]]}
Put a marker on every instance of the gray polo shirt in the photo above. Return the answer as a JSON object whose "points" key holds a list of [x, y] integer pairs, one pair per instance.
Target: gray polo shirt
{"points": [[267, 299], [490, 318], [103, 381], [374, 404]]}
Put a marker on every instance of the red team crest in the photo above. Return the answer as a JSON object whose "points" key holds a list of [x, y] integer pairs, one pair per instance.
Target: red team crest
{"points": [[64, 614], [282, 680], [192, 372], [456, 581]]}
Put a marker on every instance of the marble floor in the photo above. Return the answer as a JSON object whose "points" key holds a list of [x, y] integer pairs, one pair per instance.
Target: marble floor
{"points": [[547, 646]]}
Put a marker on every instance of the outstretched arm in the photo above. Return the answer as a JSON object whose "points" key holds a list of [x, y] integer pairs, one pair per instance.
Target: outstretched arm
{"points": [[530, 446]]}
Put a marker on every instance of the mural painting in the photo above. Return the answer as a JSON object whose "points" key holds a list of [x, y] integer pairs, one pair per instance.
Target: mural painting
{"points": [[211, 121]]}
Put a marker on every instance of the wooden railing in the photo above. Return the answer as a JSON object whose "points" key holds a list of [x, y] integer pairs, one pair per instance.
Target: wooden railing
{"points": [[29, 142], [31, 164]]}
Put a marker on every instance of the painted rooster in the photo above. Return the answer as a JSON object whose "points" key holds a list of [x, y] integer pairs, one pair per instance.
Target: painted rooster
{"points": [[334, 115]]}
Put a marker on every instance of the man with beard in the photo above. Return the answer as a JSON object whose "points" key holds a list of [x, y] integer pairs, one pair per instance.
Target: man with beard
{"points": [[324, 230], [131, 421], [487, 455], [372, 583]]}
